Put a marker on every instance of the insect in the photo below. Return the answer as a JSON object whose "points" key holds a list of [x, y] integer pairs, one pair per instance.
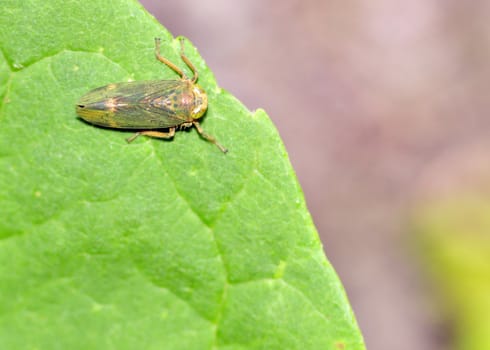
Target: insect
{"points": [[149, 106]]}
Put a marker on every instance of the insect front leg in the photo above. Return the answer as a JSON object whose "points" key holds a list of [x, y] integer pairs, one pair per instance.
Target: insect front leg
{"points": [[166, 61], [151, 133], [208, 137], [187, 61]]}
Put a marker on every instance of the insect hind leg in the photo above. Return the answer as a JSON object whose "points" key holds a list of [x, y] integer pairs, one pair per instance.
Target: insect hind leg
{"points": [[152, 133]]}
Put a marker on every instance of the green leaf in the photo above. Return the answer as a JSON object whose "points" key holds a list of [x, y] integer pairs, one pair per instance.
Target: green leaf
{"points": [[154, 245]]}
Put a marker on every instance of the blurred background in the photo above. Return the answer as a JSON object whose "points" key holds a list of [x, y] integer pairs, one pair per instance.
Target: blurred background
{"points": [[383, 107]]}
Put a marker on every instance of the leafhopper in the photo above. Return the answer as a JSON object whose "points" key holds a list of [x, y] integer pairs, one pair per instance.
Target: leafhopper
{"points": [[150, 106]]}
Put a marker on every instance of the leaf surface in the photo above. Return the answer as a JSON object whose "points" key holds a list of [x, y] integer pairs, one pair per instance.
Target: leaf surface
{"points": [[157, 244]]}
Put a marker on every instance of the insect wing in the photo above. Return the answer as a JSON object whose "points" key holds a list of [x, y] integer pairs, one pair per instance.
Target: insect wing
{"points": [[133, 105]]}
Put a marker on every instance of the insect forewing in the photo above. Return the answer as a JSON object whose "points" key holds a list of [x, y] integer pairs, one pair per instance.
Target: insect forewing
{"points": [[135, 105]]}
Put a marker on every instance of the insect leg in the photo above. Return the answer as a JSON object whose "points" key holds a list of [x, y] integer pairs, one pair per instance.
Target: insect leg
{"points": [[208, 137], [166, 61], [151, 133], [187, 61]]}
